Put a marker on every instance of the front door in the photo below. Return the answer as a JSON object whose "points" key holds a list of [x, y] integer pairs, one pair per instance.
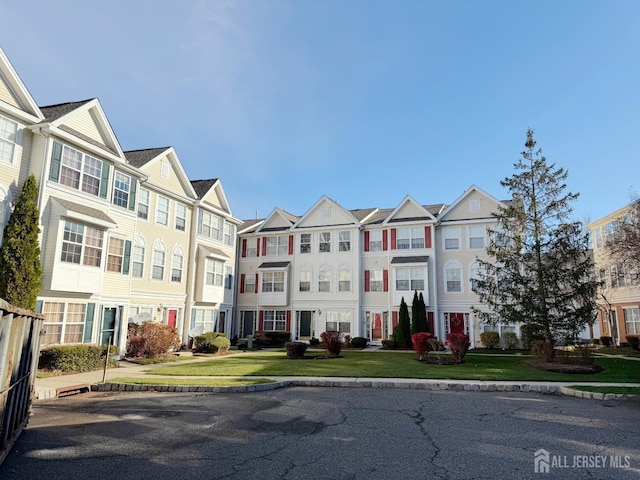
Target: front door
{"points": [[171, 318], [456, 323], [108, 326], [377, 333], [304, 325], [247, 323], [221, 321]]}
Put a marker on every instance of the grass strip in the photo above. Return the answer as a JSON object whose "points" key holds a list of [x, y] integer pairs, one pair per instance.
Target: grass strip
{"points": [[607, 389], [205, 382]]}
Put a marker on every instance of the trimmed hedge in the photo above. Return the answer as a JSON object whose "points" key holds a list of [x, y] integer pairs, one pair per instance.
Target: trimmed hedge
{"points": [[490, 339], [358, 342], [272, 338], [634, 342], [206, 343], [75, 358], [511, 341], [295, 350]]}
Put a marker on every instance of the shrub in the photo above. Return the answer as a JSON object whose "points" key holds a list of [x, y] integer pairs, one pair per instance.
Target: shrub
{"points": [[75, 358], [458, 344], [529, 333], [359, 342], [490, 339], [542, 351], [389, 344], [222, 343], [332, 342], [606, 341], [314, 341], [596, 341], [151, 340], [422, 343], [510, 340], [272, 338], [295, 350], [634, 342], [402, 331], [205, 343]]}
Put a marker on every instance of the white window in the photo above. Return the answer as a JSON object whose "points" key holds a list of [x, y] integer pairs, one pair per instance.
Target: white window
{"points": [[214, 272], [138, 257], [477, 235], [115, 255], [305, 243], [500, 236], [325, 242], [8, 139], [229, 233], [409, 279], [375, 241], [344, 278], [165, 169], [159, 253], [409, 237], [176, 264], [375, 280], [599, 237], [344, 244], [324, 278], [275, 320], [181, 217], [210, 225], [474, 206], [80, 171], [611, 231], [474, 274], [143, 204], [251, 251], [277, 245], [305, 279], [339, 321], [451, 237], [453, 277], [249, 283], [121, 189], [632, 320], [273, 282], [64, 323], [81, 244], [204, 317], [162, 210]]}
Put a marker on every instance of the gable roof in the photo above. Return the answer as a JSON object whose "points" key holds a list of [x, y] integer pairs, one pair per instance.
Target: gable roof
{"points": [[54, 112], [202, 187], [418, 212], [139, 158], [346, 214], [277, 220], [465, 194], [28, 108]]}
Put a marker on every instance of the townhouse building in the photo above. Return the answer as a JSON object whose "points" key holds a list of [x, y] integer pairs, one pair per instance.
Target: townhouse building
{"points": [[619, 293]]}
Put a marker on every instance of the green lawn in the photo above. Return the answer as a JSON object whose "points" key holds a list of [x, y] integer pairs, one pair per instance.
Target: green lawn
{"points": [[206, 382], [395, 364], [612, 389]]}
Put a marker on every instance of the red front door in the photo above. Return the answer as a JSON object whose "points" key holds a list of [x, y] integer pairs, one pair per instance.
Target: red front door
{"points": [[456, 322], [171, 318]]}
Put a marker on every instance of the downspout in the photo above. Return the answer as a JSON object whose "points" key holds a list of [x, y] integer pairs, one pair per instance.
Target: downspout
{"points": [[434, 275]]}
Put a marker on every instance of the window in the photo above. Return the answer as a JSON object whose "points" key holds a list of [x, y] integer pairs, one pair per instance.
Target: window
{"points": [[181, 217], [214, 272], [138, 257], [210, 225], [80, 171], [5, 209], [599, 237], [375, 281], [8, 139], [451, 238], [275, 320], [277, 245], [344, 243], [375, 241], [165, 169], [409, 279], [602, 274], [305, 243], [176, 264], [143, 204], [453, 277], [162, 210], [251, 251], [305, 279], [474, 275], [611, 231], [632, 320], [204, 317], [64, 323], [614, 276], [81, 244], [273, 282], [115, 255], [325, 242], [324, 278], [474, 206], [500, 236], [344, 278], [476, 236], [157, 269], [229, 233], [121, 188], [249, 283], [228, 275], [409, 237], [339, 321]]}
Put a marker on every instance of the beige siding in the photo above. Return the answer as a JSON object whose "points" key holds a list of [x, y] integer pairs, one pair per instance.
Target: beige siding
{"points": [[212, 198], [6, 95], [85, 123], [172, 183]]}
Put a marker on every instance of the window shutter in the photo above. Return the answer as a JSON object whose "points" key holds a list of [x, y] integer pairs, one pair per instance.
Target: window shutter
{"points": [[258, 247], [367, 280], [366, 241], [427, 237], [256, 284], [244, 247], [385, 243], [288, 324], [290, 246], [393, 239], [261, 320], [264, 245], [394, 319], [88, 322], [104, 182], [39, 306], [242, 283], [56, 158], [132, 194], [127, 257], [430, 328], [385, 280]]}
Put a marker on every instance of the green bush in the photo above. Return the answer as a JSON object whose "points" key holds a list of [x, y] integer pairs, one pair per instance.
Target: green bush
{"points": [[490, 339], [389, 344], [151, 340], [314, 341], [205, 343], [359, 342], [634, 342], [273, 338], [295, 350], [222, 343], [511, 341], [606, 341], [75, 358]]}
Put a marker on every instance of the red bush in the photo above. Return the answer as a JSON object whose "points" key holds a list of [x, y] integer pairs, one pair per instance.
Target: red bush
{"points": [[458, 344], [422, 344], [332, 342]]}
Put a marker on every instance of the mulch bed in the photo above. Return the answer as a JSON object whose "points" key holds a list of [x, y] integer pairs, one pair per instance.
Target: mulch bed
{"points": [[564, 367], [439, 361]]}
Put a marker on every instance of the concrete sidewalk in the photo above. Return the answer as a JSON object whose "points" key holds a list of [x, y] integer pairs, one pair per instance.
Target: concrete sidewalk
{"points": [[58, 386]]}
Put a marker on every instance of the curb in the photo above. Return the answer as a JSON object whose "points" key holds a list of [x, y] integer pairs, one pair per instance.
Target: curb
{"points": [[570, 392]]}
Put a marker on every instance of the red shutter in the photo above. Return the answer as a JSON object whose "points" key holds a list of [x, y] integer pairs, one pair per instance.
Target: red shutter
{"points": [[393, 239], [394, 319], [427, 237], [244, 247], [256, 287], [264, 246], [367, 280], [288, 325], [242, 283], [385, 280], [366, 241], [385, 244], [261, 320], [290, 244], [257, 247]]}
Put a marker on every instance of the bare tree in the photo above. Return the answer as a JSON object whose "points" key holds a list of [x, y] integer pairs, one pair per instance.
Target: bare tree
{"points": [[623, 246]]}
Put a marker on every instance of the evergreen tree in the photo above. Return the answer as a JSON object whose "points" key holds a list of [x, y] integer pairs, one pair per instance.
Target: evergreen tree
{"points": [[20, 269], [539, 272], [402, 331], [418, 314], [423, 314]]}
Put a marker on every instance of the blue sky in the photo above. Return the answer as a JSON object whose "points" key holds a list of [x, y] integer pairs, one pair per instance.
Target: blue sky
{"points": [[362, 101]]}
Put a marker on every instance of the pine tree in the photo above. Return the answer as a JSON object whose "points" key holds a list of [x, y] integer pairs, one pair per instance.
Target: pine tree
{"points": [[419, 314], [20, 269], [402, 331], [539, 272]]}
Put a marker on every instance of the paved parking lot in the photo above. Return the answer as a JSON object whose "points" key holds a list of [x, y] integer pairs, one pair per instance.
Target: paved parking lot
{"points": [[327, 433]]}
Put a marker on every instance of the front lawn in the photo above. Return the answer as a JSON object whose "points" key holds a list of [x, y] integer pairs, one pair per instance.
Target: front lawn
{"points": [[396, 365], [205, 382]]}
